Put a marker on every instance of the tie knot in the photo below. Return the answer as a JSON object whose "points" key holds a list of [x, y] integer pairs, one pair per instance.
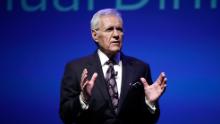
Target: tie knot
{"points": [[111, 62]]}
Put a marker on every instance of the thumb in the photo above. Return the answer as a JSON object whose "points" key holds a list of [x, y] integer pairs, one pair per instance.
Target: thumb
{"points": [[91, 83], [144, 81], [94, 76]]}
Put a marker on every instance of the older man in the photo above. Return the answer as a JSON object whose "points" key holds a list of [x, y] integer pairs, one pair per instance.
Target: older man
{"points": [[109, 87]]}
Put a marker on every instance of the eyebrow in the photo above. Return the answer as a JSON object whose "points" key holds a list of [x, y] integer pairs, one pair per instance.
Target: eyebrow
{"points": [[112, 27]]}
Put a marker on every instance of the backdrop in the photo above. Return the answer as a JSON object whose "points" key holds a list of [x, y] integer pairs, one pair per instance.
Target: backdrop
{"points": [[180, 37]]}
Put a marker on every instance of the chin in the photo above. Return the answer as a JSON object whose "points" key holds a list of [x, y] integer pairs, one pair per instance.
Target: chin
{"points": [[115, 51], [116, 48]]}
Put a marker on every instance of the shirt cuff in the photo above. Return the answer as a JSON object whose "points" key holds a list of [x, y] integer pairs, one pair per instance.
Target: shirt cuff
{"points": [[151, 108], [83, 104]]}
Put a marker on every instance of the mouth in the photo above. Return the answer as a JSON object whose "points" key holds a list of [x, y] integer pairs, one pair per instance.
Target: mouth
{"points": [[115, 42]]}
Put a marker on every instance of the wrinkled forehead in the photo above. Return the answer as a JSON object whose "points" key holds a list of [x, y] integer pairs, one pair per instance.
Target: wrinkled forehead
{"points": [[110, 20]]}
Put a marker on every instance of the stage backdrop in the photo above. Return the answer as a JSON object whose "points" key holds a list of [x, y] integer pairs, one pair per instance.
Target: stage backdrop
{"points": [[180, 37]]}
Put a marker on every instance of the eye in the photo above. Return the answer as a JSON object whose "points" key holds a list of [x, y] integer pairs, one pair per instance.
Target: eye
{"points": [[109, 29], [119, 29]]}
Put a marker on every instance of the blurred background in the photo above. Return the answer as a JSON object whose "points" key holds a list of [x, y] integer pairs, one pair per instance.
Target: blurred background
{"points": [[180, 37]]}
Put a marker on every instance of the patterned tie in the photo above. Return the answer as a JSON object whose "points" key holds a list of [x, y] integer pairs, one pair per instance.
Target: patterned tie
{"points": [[112, 85]]}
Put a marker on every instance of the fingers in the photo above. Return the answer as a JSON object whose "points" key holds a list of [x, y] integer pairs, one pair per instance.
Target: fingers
{"points": [[144, 82], [164, 83], [84, 76], [86, 84], [160, 79], [91, 82]]}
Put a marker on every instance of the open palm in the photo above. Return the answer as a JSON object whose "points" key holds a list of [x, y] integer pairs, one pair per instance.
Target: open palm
{"points": [[155, 90]]}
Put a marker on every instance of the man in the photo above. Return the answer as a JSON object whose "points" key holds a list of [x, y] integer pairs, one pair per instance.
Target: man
{"points": [[108, 87]]}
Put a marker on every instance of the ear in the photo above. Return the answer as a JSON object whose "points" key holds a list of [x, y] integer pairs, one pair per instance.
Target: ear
{"points": [[94, 35]]}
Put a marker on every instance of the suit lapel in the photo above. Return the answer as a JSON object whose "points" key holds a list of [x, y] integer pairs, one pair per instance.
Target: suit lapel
{"points": [[126, 79], [100, 83]]}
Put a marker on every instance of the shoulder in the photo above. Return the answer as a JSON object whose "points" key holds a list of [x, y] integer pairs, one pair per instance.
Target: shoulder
{"points": [[135, 61], [81, 62]]}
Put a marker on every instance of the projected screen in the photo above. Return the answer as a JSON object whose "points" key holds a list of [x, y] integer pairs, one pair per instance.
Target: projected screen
{"points": [[180, 37]]}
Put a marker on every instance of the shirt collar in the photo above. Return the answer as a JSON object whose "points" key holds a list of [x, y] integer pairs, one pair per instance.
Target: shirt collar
{"points": [[104, 58]]}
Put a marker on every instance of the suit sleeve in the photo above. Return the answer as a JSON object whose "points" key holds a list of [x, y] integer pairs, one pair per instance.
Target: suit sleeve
{"points": [[70, 106], [153, 116]]}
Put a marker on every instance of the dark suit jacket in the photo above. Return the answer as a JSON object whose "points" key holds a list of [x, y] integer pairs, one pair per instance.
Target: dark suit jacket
{"points": [[132, 107]]}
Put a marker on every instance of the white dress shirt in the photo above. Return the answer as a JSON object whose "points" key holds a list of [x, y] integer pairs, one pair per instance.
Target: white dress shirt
{"points": [[117, 67]]}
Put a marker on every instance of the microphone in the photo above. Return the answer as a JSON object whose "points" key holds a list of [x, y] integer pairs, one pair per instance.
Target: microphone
{"points": [[115, 73]]}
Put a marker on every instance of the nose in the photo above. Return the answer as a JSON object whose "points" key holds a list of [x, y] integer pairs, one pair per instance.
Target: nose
{"points": [[116, 33]]}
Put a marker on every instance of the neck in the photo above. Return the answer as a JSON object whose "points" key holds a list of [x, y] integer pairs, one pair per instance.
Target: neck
{"points": [[111, 55], [116, 56]]}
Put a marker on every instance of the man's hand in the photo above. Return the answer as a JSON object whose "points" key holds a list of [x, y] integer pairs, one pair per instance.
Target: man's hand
{"points": [[87, 85], [154, 91]]}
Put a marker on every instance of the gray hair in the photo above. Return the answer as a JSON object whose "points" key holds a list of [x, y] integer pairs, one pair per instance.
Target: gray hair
{"points": [[96, 17]]}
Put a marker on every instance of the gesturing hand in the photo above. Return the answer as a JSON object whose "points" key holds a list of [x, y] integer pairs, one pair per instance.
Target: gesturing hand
{"points": [[87, 85], [155, 90]]}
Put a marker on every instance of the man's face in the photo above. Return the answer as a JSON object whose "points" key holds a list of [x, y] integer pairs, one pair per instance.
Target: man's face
{"points": [[109, 34]]}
